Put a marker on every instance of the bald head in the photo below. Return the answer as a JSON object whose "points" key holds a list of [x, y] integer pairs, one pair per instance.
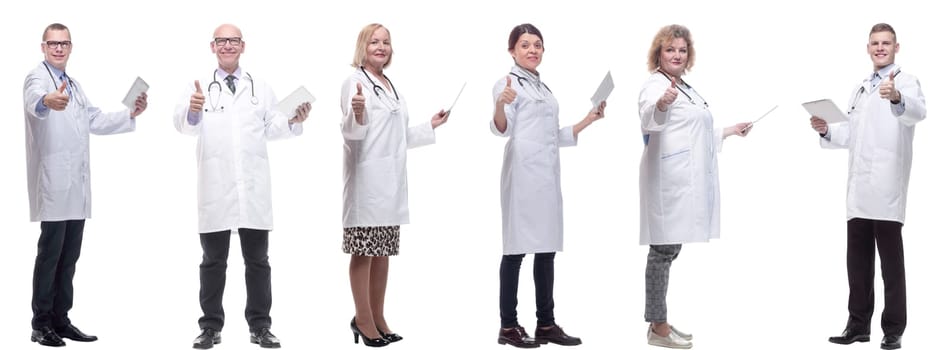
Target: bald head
{"points": [[227, 30]]}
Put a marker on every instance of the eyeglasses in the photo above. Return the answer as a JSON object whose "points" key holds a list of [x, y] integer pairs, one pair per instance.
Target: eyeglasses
{"points": [[224, 41], [63, 44]]}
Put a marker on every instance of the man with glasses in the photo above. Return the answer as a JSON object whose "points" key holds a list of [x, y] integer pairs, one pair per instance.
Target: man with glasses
{"points": [[884, 110], [59, 119], [233, 116]]}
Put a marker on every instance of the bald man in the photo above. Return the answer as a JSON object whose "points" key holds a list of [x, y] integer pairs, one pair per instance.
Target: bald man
{"points": [[233, 115]]}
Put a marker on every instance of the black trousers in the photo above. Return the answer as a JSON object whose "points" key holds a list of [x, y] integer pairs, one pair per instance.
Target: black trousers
{"points": [[543, 288], [56, 255], [213, 273], [862, 234]]}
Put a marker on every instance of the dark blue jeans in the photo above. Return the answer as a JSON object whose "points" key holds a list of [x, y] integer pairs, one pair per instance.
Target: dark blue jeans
{"points": [[543, 288]]}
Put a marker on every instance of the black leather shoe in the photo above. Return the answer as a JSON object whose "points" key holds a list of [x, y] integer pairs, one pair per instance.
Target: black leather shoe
{"points": [[372, 342], [555, 335], [207, 339], [264, 338], [72, 333], [516, 337], [891, 342], [391, 337], [45, 336], [850, 336]]}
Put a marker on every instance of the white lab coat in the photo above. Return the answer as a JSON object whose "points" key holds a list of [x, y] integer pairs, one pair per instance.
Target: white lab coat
{"points": [[57, 148], [375, 182], [881, 147], [233, 167], [531, 201], [678, 174]]}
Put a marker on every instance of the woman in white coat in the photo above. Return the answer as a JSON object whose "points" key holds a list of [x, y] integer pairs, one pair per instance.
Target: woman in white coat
{"points": [[678, 182], [527, 113], [376, 135]]}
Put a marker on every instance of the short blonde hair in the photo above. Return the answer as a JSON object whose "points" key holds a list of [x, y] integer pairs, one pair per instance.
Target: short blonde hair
{"points": [[362, 43], [665, 36]]}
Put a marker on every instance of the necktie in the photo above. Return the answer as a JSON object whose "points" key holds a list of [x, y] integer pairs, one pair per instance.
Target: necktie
{"points": [[64, 79], [230, 83]]}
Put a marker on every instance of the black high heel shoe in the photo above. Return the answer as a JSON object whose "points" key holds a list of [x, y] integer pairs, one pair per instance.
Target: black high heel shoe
{"points": [[377, 342], [391, 337]]}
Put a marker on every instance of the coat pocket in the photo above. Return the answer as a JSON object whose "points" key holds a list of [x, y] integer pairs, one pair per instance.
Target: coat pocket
{"points": [[676, 171], [55, 172]]}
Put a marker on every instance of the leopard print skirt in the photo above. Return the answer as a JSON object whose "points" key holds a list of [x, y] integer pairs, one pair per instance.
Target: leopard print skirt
{"points": [[371, 241]]}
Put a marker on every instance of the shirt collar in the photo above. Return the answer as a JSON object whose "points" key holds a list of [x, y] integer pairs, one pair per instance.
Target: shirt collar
{"points": [[221, 74], [56, 72], [531, 77], [883, 72]]}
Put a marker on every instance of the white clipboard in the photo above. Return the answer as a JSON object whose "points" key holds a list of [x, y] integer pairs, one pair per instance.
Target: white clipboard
{"points": [[760, 118], [290, 103], [139, 86], [447, 112], [826, 110], [603, 91]]}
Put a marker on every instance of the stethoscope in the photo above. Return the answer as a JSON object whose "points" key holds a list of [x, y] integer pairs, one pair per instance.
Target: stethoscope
{"points": [[863, 89], [682, 90], [521, 80], [216, 85], [72, 85], [376, 88]]}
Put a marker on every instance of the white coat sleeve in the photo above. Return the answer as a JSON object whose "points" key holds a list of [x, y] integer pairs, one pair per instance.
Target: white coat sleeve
{"points": [[509, 109], [651, 118], [420, 135], [276, 124], [911, 96], [839, 136], [718, 136], [348, 126], [106, 123], [566, 138], [34, 89], [109, 123], [180, 117]]}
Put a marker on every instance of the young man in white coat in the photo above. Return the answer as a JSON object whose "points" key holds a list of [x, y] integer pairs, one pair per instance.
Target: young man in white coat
{"points": [[883, 112], [233, 124], [59, 119]]}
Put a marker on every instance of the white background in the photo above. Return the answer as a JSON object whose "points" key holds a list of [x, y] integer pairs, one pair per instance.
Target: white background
{"points": [[776, 279]]}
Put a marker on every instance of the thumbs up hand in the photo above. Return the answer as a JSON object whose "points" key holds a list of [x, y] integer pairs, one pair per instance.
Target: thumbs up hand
{"points": [[888, 89], [197, 98], [359, 105], [508, 95], [668, 97], [57, 100]]}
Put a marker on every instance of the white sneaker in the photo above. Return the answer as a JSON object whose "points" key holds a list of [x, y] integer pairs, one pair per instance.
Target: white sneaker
{"points": [[672, 341]]}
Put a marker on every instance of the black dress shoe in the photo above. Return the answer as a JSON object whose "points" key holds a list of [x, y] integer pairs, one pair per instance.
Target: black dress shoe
{"points": [[46, 336], [849, 336], [207, 339], [891, 342], [391, 337], [516, 337], [264, 338], [72, 333], [372, 342], [555, 335]]}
